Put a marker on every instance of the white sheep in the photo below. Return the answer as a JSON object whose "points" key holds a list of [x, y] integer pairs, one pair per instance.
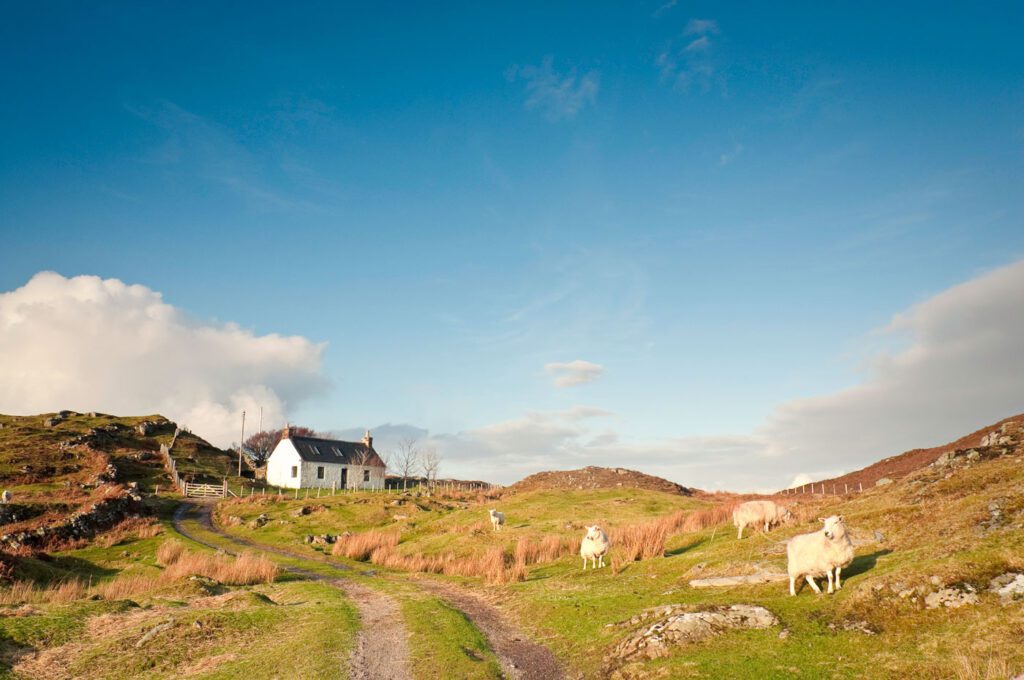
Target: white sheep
{"points": [[6, 496], [594, 547], [755, 513], [820, 554], [497, 519]]}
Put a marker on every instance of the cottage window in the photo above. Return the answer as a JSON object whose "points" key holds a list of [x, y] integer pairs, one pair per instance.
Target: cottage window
{"points": [[295, 471], [320, 472], [366, 475]]}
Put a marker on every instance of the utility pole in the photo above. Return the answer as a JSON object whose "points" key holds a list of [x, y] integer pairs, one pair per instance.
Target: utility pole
{"points": [[241, 442], [261, 419]]}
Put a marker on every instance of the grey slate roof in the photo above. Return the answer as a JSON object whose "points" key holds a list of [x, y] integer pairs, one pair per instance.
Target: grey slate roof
{"points": [[315, 450]]}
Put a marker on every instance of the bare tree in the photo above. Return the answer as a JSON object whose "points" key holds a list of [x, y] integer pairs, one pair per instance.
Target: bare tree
{"points": [[406, 459], [259, 446], [430, 462]]}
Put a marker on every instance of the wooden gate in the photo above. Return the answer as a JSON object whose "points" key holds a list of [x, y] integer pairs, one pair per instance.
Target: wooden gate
{"points": [[206, 490]]}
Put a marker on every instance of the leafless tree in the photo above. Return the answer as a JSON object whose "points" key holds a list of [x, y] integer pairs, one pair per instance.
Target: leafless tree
{"points": [[259, 446], [430, 462], [406, 459]]}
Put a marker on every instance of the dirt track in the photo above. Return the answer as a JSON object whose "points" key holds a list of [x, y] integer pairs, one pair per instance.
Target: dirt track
{"points": [[382, 647]]}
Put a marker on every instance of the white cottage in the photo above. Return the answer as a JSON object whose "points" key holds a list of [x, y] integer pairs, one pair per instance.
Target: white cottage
{"points": [[311, 462]]}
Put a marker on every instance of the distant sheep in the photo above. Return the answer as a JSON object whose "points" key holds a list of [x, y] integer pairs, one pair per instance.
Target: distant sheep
{"points": [[755, 513], [497, 519], [594, 547], [820, 554], [6, 496]]}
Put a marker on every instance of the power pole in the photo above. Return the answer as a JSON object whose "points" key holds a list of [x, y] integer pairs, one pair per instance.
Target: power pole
{"points": [[241, 442], [261, 419]]}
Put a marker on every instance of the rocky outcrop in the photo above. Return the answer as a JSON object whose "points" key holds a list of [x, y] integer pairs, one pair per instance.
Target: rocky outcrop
{"points": [[83, 524], [11, 513], [1009, 587], [673, 625], [743, 580], [952, 597]]}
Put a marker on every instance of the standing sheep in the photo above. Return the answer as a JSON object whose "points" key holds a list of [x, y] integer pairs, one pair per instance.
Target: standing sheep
{"points": [[497, 519], [594, 547], [755, 513], [6, 496], [819, 554]]}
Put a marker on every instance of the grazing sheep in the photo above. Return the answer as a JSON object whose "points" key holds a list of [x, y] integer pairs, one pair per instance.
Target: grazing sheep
{"points": [[6, 496], [497, 519], [594, 547], [819, 554], [755, 513]]}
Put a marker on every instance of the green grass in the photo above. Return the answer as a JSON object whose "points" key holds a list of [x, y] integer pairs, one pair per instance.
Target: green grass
{"points": [[931, 528]]}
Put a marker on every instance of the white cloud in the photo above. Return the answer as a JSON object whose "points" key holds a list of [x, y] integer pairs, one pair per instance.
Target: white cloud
{"points": [[558, 95], [961, 367], [86, 343], [572, 373], [690, 62], [702, 27]]}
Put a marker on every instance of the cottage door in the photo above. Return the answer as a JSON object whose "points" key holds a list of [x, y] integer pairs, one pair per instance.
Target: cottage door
{"points": [[344, 478]]}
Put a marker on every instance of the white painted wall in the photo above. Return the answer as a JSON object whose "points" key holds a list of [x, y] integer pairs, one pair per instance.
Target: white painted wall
{"points": [[279, 465], [284, 456]]}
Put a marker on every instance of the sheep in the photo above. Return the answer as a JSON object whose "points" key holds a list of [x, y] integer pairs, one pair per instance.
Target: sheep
{"points": [[594, 547], [820, 553], [6, 496], [753, 513], [497, 519]]}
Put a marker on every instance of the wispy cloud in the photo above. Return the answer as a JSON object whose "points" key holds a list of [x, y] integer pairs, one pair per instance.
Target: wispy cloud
{"points": [[573, 373], [559, 96], [729, 156], [664, 8], [688, 61]]}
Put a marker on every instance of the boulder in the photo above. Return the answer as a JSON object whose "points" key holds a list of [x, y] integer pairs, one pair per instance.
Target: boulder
{"points": [[744, 580], [1009, 587], [953, 598], [883, 481], [675, 627]]}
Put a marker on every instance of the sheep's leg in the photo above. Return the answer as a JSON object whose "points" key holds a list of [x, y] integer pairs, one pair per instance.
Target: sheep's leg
{"points": [[767, 525], [792, 585], [830, 588], [839, 585], [813, 584], [600, 560], [740, 534]]}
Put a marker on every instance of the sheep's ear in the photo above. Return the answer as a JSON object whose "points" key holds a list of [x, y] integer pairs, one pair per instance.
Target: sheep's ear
{"points": [[840, 518], [822, 519]]}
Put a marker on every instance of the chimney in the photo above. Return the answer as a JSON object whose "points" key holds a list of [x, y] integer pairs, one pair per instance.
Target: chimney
{"points": [[368, 440], [286, 433]]}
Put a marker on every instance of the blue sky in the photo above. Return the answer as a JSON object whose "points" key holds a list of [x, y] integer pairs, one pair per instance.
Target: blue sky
{"points": [[719, 204]]}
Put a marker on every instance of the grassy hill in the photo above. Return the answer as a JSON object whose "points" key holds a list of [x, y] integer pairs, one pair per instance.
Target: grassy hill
{"points": [[917, 601]]}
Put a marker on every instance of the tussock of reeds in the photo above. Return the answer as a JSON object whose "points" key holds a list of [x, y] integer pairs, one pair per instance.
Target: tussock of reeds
{"points": [[641, 541], [362, 546], [246, 569]]}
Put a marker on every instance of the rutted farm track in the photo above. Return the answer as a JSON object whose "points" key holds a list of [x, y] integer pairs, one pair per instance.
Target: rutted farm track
{"points": [[381, 650]]}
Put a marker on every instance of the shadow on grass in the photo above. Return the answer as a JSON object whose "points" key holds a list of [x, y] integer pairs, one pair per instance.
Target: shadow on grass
{"points": [[864, 563], [686, 548]]}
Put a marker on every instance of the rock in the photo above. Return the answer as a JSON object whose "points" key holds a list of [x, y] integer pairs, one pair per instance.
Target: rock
{"points": [[51, 422], [784, 633], [879, 537], [260, 521], [883, 481], [944, 460], [681, 627], [952, 598], [1009, 587], [744, 580]]}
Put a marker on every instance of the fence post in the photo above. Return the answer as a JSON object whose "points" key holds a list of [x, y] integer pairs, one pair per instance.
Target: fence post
{"points": [[861, 485]]}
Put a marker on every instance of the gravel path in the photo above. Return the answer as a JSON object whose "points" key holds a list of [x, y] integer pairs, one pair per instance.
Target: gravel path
{"points": [[520, 658], [378, 653], [381, 651]]}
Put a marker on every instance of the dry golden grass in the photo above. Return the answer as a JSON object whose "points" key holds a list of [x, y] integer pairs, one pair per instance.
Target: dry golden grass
{"points": [[246, 569], [168, 552], [990, 668], [21, 592], [362, 546]]}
